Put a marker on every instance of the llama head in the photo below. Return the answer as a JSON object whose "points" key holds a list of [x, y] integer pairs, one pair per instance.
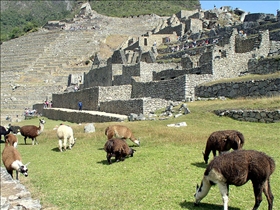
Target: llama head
{"points": [[131, 151], [73, 142], [197, 196], [201, 191], [42, 121], [23, 169], [137, 141], [205, 157]]}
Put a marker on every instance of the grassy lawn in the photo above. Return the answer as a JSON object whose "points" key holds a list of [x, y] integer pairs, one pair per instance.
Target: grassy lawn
{"points": [[163, 172]]}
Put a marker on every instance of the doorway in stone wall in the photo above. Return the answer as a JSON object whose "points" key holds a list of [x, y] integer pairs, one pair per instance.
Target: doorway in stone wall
{"points": [[145, 42]]}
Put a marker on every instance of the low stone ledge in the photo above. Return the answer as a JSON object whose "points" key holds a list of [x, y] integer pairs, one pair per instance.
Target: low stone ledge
{"points": [[85, 116], [14, 195], [262, 116]]}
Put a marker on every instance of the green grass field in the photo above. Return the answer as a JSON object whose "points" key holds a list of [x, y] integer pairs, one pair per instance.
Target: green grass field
{"points": [[163, 172]]}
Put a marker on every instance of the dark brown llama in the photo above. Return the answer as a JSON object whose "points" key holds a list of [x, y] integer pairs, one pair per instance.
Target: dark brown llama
{"points": [[222, 141], [117, 148], [237, 168]]}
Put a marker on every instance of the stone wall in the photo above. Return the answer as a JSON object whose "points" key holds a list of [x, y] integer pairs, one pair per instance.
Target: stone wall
{"points": [[251, 115], [264, 65], [101, 76], [252, 88], [173, 73], [174, 90], [245, 45], [122, 92], [194, 25], [91, 97], [230, 64], [137, 106], [144, 72], [275, 47], [128, 70]]}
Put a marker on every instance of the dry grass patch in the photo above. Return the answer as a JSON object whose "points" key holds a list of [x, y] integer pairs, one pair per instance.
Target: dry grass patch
{"points": [[163, 172]]}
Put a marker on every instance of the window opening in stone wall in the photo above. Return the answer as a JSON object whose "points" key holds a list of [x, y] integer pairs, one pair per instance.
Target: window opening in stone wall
{"points": [[162, 78], [145, 42]]}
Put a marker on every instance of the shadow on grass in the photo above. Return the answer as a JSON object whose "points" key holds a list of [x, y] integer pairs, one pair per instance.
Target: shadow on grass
{"points": [[200, 164], [56, 149], [27, 144], [2, 142], [104, 162], [203, 206]]}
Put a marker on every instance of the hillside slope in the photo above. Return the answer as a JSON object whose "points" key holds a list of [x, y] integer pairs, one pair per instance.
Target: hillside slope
{"points": [[38, 64]]}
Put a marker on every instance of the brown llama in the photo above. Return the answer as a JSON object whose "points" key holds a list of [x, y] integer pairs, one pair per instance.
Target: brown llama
{"points": [[117, 148], [223, 141], [120, 131], [32, 131], [237, 168]]}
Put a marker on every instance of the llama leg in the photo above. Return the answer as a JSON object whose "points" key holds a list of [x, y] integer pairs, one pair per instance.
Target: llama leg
{"points": [[214, 153], [65, 143], [60, 145], [118, 157], [69, 145], [224, 192], [25, 140], [268, 194], [17, 174], [109, 158], [10, 172], [32, 141], [36, 141], [258, 188]]}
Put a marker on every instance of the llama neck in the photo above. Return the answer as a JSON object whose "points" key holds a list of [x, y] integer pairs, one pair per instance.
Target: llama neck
{"points": [[203, 189], [17, 164], [41, 128]]}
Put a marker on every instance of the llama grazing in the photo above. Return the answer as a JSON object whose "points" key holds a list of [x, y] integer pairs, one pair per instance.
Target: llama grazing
{"points": [[223, 141], [65, 132], [14, 129], [4, 131], [32, 131], [12, 161], [236, 168], [120, 131], [11, 140], [117, 148]]}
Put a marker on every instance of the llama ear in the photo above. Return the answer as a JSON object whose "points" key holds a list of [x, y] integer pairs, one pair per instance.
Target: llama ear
{"points": [[203, 153], [27, 164], [197, 186]]}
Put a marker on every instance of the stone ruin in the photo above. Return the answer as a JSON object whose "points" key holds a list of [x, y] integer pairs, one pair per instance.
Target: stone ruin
{"points": [[145, 72], [133, 81]]}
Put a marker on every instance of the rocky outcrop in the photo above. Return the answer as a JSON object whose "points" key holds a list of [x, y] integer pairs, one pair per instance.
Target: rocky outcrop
{"points": [[14, 195]]}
